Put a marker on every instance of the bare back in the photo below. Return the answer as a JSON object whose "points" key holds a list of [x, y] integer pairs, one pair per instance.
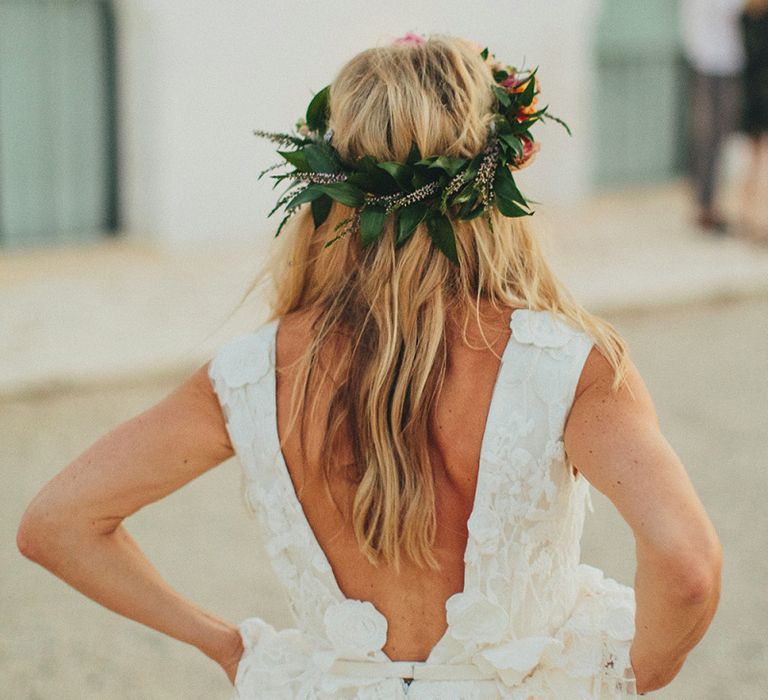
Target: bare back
{"points": [[413, 601]]}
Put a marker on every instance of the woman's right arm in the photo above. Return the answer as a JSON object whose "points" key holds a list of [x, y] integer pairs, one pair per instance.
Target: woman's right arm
{"points": [[615, 440], [74, 526]]}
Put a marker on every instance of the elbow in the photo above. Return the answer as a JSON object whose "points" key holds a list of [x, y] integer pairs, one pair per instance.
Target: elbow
{"points": [[700, 572], [702, 580], [693, 569], [28, 538], [50, 531], [39, 533]]}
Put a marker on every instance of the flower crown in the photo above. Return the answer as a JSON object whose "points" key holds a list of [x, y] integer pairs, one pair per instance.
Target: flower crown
{"points": [[423, 189]]}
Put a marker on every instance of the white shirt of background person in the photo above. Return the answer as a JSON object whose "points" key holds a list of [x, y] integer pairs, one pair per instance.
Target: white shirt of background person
{"points": [[712, 36]]}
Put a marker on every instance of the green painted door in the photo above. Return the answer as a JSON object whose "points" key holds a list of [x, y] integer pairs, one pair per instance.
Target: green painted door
{"points": [[57, 122], [639, 108]]}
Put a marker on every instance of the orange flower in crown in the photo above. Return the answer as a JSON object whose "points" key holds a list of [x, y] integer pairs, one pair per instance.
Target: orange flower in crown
{"points": [[517, 83]]}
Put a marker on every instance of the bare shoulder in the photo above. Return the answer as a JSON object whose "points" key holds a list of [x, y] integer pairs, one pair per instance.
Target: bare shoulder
{"points": [[607, 423], [197, 393], [191, 413], [595, 390]]}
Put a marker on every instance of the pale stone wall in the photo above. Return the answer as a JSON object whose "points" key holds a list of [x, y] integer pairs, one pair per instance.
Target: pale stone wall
{"points": [[196, 77]]}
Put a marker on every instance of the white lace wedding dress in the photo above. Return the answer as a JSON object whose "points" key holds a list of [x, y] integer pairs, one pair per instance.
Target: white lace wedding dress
{"points": [[531, 621]]}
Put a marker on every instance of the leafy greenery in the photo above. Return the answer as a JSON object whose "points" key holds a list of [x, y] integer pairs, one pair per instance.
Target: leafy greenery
{"points": [[408, 220], [321, 207], [344, 193], [298, 159], [401, 173], [320, 158], [441, 232], [450, 165], [371, 224], [317, 111]]}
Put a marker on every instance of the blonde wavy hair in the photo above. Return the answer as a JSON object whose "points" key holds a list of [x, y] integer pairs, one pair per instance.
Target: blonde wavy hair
{"points": [[390, 306]]}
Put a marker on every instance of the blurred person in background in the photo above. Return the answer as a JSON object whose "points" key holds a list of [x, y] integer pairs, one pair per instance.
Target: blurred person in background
{"points": [[713, 49], [754, 25]]}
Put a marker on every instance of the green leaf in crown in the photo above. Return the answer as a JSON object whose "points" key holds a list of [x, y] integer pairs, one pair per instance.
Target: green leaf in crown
{"points": [[317, 111], [427, 190]]}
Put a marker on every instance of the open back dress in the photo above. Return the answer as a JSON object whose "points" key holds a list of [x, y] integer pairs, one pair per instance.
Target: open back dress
{"points": [[531, 623]]}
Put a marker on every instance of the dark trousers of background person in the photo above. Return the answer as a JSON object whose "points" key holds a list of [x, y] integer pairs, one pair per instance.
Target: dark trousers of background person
{"points": [[714, 110]]}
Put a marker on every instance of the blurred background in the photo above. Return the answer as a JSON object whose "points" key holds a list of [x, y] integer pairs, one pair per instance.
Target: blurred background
{"points": [[131, 223]]}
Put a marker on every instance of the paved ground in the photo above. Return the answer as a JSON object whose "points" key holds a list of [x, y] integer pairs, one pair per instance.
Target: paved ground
{"points": [[706, 366]]}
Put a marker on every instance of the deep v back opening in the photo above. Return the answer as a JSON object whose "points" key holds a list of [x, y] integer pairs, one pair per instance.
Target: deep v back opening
{"points": [[493, 408]]}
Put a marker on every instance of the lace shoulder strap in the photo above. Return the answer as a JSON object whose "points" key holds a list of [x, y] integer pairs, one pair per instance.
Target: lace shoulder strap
{"points": [[560, 351], [241, 374]]}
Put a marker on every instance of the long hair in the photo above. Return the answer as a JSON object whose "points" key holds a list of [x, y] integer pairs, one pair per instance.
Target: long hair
{"points": [[389, 307]]}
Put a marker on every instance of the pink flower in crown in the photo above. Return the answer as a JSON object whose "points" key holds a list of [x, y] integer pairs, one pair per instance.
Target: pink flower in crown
{"points": [[527, 149], [410, 38], [511, 81], [517, 82], [530, 149]]}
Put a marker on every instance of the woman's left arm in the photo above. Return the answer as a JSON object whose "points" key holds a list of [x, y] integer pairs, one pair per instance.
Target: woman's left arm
{"points": [[73, 527]]}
